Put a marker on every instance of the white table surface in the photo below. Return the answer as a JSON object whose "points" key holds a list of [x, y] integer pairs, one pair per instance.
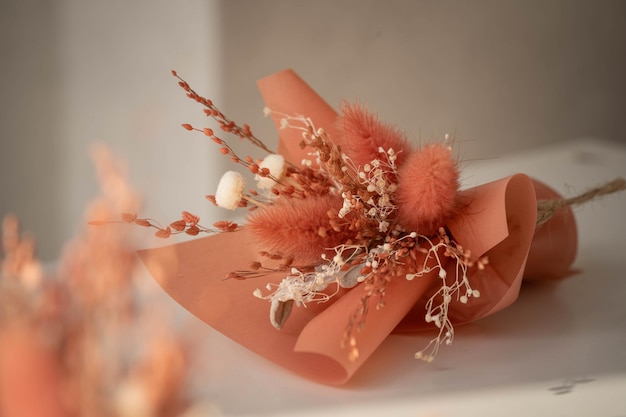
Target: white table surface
{"points": [[558, 351]]}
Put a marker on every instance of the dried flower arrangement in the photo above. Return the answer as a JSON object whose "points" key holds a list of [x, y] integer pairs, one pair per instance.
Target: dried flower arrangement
{"points": [[68, 338], [368, 232]]}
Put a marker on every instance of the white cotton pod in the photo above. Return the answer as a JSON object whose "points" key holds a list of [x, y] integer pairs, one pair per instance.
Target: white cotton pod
{"points": [[230, 190], [275, 163]]}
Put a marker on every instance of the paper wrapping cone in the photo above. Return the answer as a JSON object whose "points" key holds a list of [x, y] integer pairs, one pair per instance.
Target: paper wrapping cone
{"points": [[498, 222]]}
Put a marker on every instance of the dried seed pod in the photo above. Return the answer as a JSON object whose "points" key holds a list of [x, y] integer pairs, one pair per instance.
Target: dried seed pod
{"points": [[279, 312]]}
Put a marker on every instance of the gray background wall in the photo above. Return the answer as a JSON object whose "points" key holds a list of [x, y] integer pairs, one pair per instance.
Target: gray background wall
{"points": [[75, 73], [501, 75]]}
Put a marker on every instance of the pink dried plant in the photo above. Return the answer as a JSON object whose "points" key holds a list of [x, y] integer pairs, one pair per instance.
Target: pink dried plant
{"points": [[362, 134], [427, 189], [301, 229]]}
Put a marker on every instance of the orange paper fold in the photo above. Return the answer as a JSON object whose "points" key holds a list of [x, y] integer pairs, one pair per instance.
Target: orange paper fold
{"points": [[498, 222]]}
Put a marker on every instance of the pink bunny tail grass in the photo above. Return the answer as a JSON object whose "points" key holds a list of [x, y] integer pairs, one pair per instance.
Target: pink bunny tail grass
{"points": [[362, 134], [300, 229], [427, 189]]}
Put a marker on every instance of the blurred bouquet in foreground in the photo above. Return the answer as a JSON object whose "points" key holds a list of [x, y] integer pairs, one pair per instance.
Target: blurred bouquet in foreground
{"points": [[78, 341], [353, 233]]}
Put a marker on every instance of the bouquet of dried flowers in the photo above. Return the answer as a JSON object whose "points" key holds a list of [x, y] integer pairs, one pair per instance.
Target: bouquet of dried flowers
{"points": [[353, 232]]}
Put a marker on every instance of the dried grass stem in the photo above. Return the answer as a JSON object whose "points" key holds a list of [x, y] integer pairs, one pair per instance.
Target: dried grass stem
{"points": [[546, 209]]}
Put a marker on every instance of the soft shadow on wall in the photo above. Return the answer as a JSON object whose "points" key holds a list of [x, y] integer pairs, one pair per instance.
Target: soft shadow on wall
{"points": [[500, 75]]}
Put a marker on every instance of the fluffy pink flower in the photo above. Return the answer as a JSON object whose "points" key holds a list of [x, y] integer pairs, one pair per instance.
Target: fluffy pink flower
{"points": [[299, 229], [362, 134], [427, 189]]}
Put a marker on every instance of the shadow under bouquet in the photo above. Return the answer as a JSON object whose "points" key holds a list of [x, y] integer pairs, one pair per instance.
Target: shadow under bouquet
{"points": [[354, 233]]}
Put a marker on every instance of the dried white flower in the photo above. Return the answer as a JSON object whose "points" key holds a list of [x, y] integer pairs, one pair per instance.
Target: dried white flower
{"points": [[279, 312], [230, 190], [277, 167]]}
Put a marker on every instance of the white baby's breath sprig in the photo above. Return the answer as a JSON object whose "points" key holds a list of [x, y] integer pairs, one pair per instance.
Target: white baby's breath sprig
{"points": [[391, 255], [301, 123], [299, 288], [302, 288], [457, 288], [377, 177], [290, 121]]}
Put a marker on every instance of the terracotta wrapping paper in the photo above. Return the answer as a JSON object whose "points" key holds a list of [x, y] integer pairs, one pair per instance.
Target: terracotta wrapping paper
{"points": [[498, 221]]}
